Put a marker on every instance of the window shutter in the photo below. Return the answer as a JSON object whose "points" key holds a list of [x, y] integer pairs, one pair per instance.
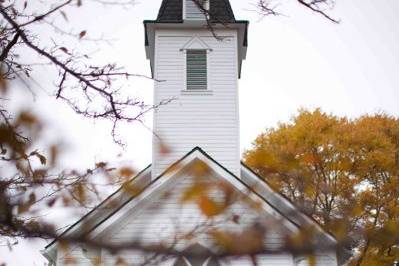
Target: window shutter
{"points": [[193, 11], [196, 70]]}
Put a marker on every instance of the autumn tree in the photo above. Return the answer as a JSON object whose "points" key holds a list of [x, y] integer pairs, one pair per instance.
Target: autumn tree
{"points": [[342, 172]]}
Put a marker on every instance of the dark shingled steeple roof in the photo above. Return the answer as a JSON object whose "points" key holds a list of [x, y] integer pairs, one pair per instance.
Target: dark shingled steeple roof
{"points": [[219, 11]]}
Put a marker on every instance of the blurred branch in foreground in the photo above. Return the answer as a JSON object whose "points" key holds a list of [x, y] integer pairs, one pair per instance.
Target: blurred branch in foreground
{"points": [[91, 90]]}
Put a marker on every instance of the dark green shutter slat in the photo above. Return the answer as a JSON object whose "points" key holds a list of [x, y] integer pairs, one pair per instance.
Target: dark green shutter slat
{"points": [[196, 70]]}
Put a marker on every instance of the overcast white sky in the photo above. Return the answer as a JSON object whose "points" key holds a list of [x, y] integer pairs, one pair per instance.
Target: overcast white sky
{"points": [[297, 60]]}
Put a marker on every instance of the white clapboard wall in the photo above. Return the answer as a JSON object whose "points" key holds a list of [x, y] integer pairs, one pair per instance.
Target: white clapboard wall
{"points": [[162, 216], [205, 118]]}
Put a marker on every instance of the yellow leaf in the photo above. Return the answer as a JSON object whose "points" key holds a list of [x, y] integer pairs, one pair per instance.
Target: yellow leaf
{"points": [[200, 169], [101, 165], [194, 191], [3, 83], [130, 188], [80, 192], [312, 260], [121, 262], [126, 172], [209, 207]]}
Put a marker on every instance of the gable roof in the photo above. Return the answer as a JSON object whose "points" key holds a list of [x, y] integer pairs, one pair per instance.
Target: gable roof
{"points": [[180, 168], [172, 11], [99, 215]]}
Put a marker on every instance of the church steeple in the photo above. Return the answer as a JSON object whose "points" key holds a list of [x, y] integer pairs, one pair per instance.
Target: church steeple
{"points": [[173, 10], [199, 74]]}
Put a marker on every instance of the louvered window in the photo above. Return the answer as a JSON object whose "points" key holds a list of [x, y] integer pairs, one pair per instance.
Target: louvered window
{"points": [[195, 9], [196, 70]]}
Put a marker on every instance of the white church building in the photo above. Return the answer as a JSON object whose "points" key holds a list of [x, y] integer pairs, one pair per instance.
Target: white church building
{"points": [[198, 68]]}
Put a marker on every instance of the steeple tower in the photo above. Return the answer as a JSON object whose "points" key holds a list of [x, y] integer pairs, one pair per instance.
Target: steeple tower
{"points": [[197, 68]]}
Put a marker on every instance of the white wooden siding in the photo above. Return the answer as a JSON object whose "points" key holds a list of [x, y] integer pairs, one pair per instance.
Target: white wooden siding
{"points": [[161, 216], [207, 119]]}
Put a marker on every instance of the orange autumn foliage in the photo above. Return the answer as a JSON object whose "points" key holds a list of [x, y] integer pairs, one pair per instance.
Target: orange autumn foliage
{"points": [[342, 172]]}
